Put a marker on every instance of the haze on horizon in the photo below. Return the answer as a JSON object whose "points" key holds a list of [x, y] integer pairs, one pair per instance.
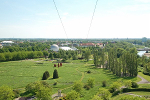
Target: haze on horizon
{"points": [[39, 19]]}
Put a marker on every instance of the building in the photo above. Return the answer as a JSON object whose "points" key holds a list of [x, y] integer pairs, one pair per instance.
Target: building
{"points": [[1, 46], [7, 43], [100, 45], [87, 45], [56, 48], [66, 48]]}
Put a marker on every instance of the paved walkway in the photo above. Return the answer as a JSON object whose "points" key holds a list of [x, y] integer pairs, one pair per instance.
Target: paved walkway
{"points": [[143, 80]]}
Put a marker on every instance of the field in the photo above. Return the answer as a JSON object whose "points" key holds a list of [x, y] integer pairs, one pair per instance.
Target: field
{"points": [[17, 74]]}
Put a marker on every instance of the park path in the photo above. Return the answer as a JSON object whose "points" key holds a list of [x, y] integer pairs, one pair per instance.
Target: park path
{"points": [[143, 80]]}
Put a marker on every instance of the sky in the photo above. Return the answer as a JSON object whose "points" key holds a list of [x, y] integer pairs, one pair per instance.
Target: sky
{"points": [[39, 19]]}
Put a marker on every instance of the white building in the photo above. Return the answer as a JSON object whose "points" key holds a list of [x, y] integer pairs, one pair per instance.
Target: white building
{"points": [[7, 43], [56, 48]]}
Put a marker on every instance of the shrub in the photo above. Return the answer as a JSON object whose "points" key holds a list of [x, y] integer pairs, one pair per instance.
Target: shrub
{"points": [[73, 95], [111, 89], [104, 94], [135, 85], [91, 82], [125, 90], [116, 93], [75, 57], [87, 87], [35, 86], [6, 93], [55, 83], [45, 75], [55, 74], [88, 71], [16, 93], [114, 87], [78, 86], [104, 84]]}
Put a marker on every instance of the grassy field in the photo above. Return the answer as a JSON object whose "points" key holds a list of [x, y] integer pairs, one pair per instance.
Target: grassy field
{"points": [[18, 74], [147, 77]]}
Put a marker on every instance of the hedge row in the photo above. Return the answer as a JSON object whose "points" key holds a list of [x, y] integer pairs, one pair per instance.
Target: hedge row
{"points": [[137, 89]]}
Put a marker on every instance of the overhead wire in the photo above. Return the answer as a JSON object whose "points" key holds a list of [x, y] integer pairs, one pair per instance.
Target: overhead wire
{"points": [[60, 18], [92, 19]]}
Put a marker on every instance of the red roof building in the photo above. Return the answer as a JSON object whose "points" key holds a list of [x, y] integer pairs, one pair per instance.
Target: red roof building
{"points": [[87, 45]]}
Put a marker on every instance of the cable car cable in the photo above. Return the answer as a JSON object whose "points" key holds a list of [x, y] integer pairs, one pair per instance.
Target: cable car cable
{"points": [[60, 18], [92, 19]]}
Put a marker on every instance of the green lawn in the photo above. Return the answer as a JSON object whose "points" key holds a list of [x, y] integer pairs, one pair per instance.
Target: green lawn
{"points": [[144, 85], [142, 93], [147, 77], [18, 74]]}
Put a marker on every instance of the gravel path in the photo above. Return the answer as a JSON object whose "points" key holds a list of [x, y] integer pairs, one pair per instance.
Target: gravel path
{"points": [[143, 81]]}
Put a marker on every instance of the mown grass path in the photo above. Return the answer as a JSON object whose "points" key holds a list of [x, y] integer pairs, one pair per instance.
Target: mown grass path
{"points": [[143, 80]]}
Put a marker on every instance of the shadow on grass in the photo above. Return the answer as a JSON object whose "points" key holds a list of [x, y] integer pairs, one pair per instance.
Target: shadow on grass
{"points": [[27, 94]]}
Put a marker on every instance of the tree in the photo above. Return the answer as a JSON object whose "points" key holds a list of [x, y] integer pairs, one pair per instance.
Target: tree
{"points": [[6, 93], [45, 75], [78, 86], [114, 87], [128, 84], [95, 58], [91, 82], [73, 95], [75, 57], [55, 74], [2, 57], [35, 87], [96, 97], [87, 54], [8, 56], [39, 54], [104, 94], [51, 56], [44, 93], [45, 53]]}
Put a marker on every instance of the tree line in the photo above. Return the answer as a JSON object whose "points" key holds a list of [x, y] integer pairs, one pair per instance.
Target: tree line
{"points": [[13, 56], [122, 63]]}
